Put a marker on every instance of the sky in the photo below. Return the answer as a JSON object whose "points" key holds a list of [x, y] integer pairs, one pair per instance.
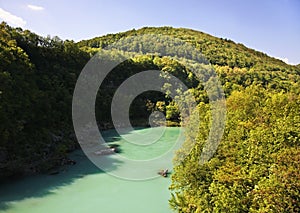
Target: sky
{"points": [[270, 26]]}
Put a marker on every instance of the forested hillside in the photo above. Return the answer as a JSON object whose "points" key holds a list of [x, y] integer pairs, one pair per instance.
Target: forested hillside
{"points": [[256, 167], [37, 78]]}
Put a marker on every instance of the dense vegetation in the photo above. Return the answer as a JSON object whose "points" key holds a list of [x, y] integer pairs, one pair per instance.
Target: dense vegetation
{"points": [[37, 77], [256, 167]]}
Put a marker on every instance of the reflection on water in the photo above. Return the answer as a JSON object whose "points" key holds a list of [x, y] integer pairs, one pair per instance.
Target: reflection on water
{"points": [[85, 188]]}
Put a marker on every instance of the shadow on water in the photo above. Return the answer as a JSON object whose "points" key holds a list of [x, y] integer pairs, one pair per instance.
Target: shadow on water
{"points": [[42, 185]]}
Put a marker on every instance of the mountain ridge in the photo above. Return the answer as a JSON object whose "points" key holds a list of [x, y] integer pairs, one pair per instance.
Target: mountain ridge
{"points": [[191, 36]]}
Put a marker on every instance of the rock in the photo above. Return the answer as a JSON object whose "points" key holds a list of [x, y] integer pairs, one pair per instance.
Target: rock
{"points": [[56, 138]]}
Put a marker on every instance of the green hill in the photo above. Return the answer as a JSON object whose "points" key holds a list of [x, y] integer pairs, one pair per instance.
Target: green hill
{"points": [[256, 166], [218, 51]]}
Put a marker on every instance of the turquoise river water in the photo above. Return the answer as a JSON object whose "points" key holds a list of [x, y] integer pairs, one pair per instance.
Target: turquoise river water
{"points": [[83, 187]]}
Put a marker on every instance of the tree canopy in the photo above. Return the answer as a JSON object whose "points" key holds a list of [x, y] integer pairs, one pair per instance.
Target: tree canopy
{"points": [[256, 166]]}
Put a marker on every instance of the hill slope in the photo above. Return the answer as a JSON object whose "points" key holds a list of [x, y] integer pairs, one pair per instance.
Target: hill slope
{"points": [[256, 167], [217, 50]]}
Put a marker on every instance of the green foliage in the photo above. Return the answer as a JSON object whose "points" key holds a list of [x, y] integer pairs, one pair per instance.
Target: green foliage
{"points": [[222, 52], [256, 166], [37, 77]]}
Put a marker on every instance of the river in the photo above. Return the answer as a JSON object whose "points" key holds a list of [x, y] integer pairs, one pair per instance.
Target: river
{"points": [[83, 187]]}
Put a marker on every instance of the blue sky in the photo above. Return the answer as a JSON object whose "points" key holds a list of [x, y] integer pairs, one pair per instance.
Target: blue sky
{"points": [[271, 26]]}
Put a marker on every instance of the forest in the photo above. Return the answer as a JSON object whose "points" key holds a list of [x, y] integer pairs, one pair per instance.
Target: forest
{"points": [[256, 166]]}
